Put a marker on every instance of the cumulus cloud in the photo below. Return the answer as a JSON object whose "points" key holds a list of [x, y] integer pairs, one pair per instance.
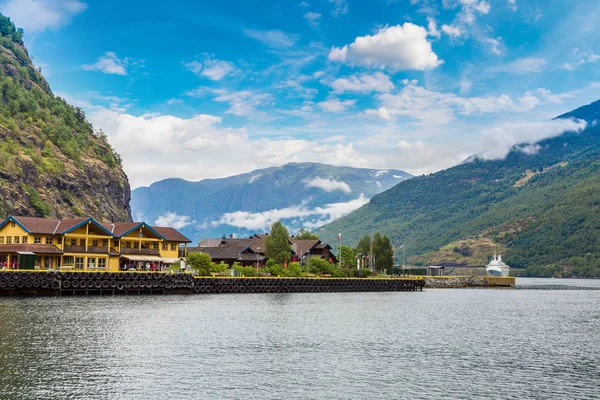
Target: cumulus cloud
{"points": [[173, 220], [274, 38], [109, 63], [398, 47], [328, 184], [580, 58], [439, 108], [313, 18], [452, 31], [211, 68], [363, 83], [335, 105], [38, 16], [311, 218], [340, 7], [432, 29], [499, 140]]}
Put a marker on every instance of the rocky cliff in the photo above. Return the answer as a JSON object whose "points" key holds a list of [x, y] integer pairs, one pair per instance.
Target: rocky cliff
{"points": [[52, 163]]}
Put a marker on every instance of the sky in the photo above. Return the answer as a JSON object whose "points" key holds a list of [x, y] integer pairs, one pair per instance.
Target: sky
{"points": [[209, 89]]}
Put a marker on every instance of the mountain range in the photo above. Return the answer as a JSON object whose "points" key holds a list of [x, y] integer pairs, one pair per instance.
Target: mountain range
{"points": [[539, 206], [300, 194]]}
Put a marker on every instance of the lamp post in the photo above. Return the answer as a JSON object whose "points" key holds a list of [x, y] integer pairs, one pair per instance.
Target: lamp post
{"points": [[257, 259]]}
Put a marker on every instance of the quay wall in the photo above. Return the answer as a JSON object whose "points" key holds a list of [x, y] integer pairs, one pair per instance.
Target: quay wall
{"points": [[450, 282]]}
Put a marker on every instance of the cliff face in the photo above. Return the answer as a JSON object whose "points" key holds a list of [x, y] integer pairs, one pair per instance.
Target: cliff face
{"points": [[52, 163]]}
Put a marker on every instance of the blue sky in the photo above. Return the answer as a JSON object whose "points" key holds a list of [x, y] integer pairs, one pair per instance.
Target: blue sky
{"points": [[208, 89]]}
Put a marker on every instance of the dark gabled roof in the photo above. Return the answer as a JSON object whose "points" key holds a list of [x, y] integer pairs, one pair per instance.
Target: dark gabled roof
{"points": [[171, 234], [232, 250], [322, 246], [302, 246], [209, 242], [33, 248]]}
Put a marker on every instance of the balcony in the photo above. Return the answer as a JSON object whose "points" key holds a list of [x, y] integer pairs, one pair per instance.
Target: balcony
{"points": [[147, 252], [90, 249]]}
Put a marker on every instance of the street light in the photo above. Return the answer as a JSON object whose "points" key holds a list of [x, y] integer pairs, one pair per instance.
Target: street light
{"points": [[257, 258]]}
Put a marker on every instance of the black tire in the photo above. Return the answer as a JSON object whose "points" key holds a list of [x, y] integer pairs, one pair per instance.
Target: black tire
{"points": [[127, 284], [20, 284], [66, 284], [142, 284], [11, 283], [168, 286], [161, 284], [197, 289], [90, 284], [55, 285], [113, 284], [75, 284], [120, 286], [135, 284], [112, 276], [98, 285], [155, 284]]}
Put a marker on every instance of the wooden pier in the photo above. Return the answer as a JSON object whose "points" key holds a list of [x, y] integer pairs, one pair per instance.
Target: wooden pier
{"points": [[17, 283]]}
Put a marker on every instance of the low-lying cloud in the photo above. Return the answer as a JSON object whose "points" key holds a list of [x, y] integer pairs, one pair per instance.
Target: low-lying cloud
{"points": [[328, 184], [299, 214], [173, 220]]}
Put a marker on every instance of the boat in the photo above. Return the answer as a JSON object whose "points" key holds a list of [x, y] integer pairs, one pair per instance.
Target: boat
{"points": [[497, 267]]}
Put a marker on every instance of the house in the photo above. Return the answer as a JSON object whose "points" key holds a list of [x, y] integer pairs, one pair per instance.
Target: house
{"points": [[251, 251], [85, 244]]}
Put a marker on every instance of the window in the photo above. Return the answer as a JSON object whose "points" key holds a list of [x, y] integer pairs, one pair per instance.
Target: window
{"points": [[155, 245], [91, 263], [8, 240], [173, 246], [95, 243], [17, 239], [102, 263], [1, 239], [128, 245], [115, 243], [68, 260], [24, 240], [105, 242], [12, 224], [37, 240], [165, 246], [82, 242], [73, 242], [58, 240], [48, 240], [79, 262]]}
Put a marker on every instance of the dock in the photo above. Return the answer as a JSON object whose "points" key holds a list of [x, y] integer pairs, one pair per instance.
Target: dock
{"points": [[56, 283]]}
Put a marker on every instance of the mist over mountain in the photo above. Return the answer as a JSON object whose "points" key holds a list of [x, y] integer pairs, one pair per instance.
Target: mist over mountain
{"points": [[300, 194], [539, 206]]}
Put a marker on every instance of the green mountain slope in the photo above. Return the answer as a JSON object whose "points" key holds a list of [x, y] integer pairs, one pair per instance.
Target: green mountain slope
{"points": [[52, 163], [542, 208]]}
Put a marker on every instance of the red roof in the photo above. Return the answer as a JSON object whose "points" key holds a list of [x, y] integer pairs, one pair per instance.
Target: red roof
{"points": [[171, 234], [34, 248]]}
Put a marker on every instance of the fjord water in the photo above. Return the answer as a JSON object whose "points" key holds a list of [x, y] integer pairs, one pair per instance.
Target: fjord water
{"points": [[539, 340]]}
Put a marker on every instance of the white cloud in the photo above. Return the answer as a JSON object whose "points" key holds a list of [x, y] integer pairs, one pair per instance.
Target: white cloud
{"points": [[439, 108], [499, 140], [304, 4], [274, 38], [432, 28], [335, 105], [580, 58], [340, 7], [328, 184], [173, 220], [452, 31], [242, 103], [109, 63], [496, 45], [311, 218], [38, 16], [399, 47], [363, 83], [512, 4], [211, 68], [313, 18], [526, 65]]}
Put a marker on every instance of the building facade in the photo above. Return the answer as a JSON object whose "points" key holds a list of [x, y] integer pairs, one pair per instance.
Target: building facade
{"points": [[85, 244]]}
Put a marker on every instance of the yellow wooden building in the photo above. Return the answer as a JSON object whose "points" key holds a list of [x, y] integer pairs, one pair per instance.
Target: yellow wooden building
{"points": [[85, 244]]}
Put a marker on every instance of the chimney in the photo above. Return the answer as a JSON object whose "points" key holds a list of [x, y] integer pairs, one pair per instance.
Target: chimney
{"points": [[231, 236], [223, 239]]}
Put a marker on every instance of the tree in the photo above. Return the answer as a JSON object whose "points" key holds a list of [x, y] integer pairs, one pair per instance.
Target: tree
{"points": [[277, 244], [201, 262], [385, 257], [305, 234], [348, 257], [364, 245]]}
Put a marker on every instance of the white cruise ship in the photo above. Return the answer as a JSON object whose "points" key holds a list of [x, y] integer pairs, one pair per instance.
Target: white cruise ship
{"points": [[496, 267]]}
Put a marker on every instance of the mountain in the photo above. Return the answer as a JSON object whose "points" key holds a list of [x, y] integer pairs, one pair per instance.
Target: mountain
{"points": [[539, 207], [301, 194], [52, 163]]}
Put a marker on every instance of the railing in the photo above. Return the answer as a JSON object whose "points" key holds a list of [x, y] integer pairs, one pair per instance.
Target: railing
{"points": [[90, 249], [150, 252]]}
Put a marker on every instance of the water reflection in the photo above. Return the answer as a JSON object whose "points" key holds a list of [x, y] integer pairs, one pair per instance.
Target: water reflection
{"points": [[439, 343]]}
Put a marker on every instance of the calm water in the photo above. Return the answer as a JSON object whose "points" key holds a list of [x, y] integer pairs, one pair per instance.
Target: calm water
{"points": [[535, 341]]}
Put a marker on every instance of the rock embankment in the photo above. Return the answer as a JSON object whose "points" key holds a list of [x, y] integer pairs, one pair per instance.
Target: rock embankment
{"points": [[456, 282]]}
